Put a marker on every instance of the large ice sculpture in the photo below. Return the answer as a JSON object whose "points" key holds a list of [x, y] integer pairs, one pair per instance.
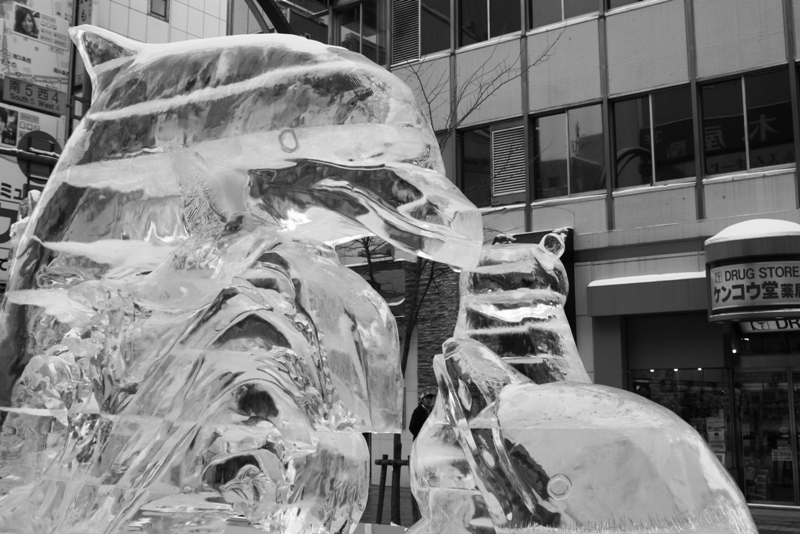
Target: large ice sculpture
{"points": [[179, 343], [519, 440]]}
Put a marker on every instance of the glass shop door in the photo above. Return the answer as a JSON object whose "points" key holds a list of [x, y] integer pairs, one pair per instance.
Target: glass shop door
{"points": [[767, 406]]}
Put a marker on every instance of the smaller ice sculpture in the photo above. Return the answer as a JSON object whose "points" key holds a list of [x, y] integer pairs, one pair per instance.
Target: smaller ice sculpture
{"points": [[505, 452]]}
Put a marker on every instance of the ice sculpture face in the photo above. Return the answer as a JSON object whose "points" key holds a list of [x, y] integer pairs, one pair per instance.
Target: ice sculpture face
{"points": [[520, 440], [182, 343]]}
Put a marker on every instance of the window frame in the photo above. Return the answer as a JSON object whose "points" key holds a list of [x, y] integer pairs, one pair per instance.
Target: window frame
{"points": [[494, 201], [741, 76], [459, 41], [652, 126], [381, 18], [156, 15], [535, 155], [562, 19]]}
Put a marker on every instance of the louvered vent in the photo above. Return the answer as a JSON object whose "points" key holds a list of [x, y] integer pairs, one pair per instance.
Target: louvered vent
{"points": [[508, 161], [405, 30]]}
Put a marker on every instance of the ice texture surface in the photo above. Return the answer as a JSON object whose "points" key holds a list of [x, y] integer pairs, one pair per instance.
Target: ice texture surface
{"points": [[179, 343], [519, 440]]}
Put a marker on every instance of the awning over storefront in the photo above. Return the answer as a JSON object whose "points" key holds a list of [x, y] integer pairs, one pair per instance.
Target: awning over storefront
{"points": [[660, 293]]}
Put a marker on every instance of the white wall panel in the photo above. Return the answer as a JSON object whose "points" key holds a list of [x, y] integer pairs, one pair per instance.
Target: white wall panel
{"points": [[746, 195], [655, 206], [738, 35], [435, 76], [487, 65], [647, 48], [571, 74], [584, 215]]}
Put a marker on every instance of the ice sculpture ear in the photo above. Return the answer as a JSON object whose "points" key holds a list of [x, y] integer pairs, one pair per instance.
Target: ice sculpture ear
{"points": [[103, 53]]}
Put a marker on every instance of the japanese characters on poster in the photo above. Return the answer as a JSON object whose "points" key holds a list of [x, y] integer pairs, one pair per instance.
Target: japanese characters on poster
{"points": [[755, 285], [34, 67]]}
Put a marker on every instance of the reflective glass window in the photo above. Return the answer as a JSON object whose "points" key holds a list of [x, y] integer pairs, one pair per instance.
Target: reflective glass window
{"points": [[350, 29], [544, 12], [474, 23], [373, 36], [632, 138], [618, 3], [158, 8], [434, 26], [504, 17], [574, 8], [550, 173], [673, 133], [476, 165], [585, 149], [723, 127], [769, 118]]}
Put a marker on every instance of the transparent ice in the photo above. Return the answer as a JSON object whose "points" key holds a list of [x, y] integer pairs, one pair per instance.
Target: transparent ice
{"points": [[179, 343], [520, 440]]}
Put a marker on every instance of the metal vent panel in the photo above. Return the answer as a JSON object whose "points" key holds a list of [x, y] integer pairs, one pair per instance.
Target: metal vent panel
{"points": [[405, 30], [508, 161]]}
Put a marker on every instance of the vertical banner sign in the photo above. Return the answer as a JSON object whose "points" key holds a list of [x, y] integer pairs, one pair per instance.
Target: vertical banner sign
{"points": [[34, 77]]}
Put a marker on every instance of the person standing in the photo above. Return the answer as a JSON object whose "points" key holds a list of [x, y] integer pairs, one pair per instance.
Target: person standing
{"points": [[421, 412]]}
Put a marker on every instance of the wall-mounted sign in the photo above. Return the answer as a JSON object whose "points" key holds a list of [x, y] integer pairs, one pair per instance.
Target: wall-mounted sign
{"points": [[770, 325], [774, 284], [35, 97]]}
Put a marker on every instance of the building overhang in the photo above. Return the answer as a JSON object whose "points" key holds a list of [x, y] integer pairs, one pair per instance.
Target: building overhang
{"points": [[633, 295]]}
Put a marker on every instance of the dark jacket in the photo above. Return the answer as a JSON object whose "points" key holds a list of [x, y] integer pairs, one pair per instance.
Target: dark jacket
{"points": [[417, 420]]}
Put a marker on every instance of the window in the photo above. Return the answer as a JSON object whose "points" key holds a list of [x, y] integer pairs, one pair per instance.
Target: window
{"points": [[568, 153], [158, 8], [759, 104], [649, 151], [362, 29], [544, 12], [476, 165], [619, 3], [419, 27], [492, 169], [484, 19]]}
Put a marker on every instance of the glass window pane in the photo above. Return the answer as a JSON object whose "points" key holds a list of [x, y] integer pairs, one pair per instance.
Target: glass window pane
{"points": [[574, 8], [373, 39], [632, 138], [476, 166], [769, 118], [474, 26], [723, 127], [504, 17], [350, 28], [699, 397], [550, 160], [434, 26], [617, 3], [544, 12], [159, 7], [586, 149], [674, 133]]}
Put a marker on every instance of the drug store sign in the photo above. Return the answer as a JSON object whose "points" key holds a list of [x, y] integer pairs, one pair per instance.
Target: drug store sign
{"points": [[774, 284]]}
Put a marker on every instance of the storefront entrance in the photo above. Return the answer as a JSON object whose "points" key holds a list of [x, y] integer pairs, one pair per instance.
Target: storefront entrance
{"points": [[766, 414], [749, 417]]}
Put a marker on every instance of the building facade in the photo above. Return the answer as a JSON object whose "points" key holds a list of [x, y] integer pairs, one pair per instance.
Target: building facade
{"points": [[648, 128]]}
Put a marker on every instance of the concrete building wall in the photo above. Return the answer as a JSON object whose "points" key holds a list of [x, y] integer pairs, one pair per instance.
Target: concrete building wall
{"points": [[570, 72], [647, 48], [738, 35], [583, 214], [187, 19], [434, 77], [479, 68], [748, 193], [635, 208]]}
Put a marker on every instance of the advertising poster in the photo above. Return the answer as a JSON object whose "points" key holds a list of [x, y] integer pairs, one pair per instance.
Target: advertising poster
{"points": [[34, 76]]}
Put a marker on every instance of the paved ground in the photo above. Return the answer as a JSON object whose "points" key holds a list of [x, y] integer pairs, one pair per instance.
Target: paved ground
{"points": [[767, 521]]}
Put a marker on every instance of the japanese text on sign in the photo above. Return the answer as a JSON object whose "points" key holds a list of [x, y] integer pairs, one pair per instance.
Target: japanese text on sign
{"points": [[755, 285], [33, 96]]}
